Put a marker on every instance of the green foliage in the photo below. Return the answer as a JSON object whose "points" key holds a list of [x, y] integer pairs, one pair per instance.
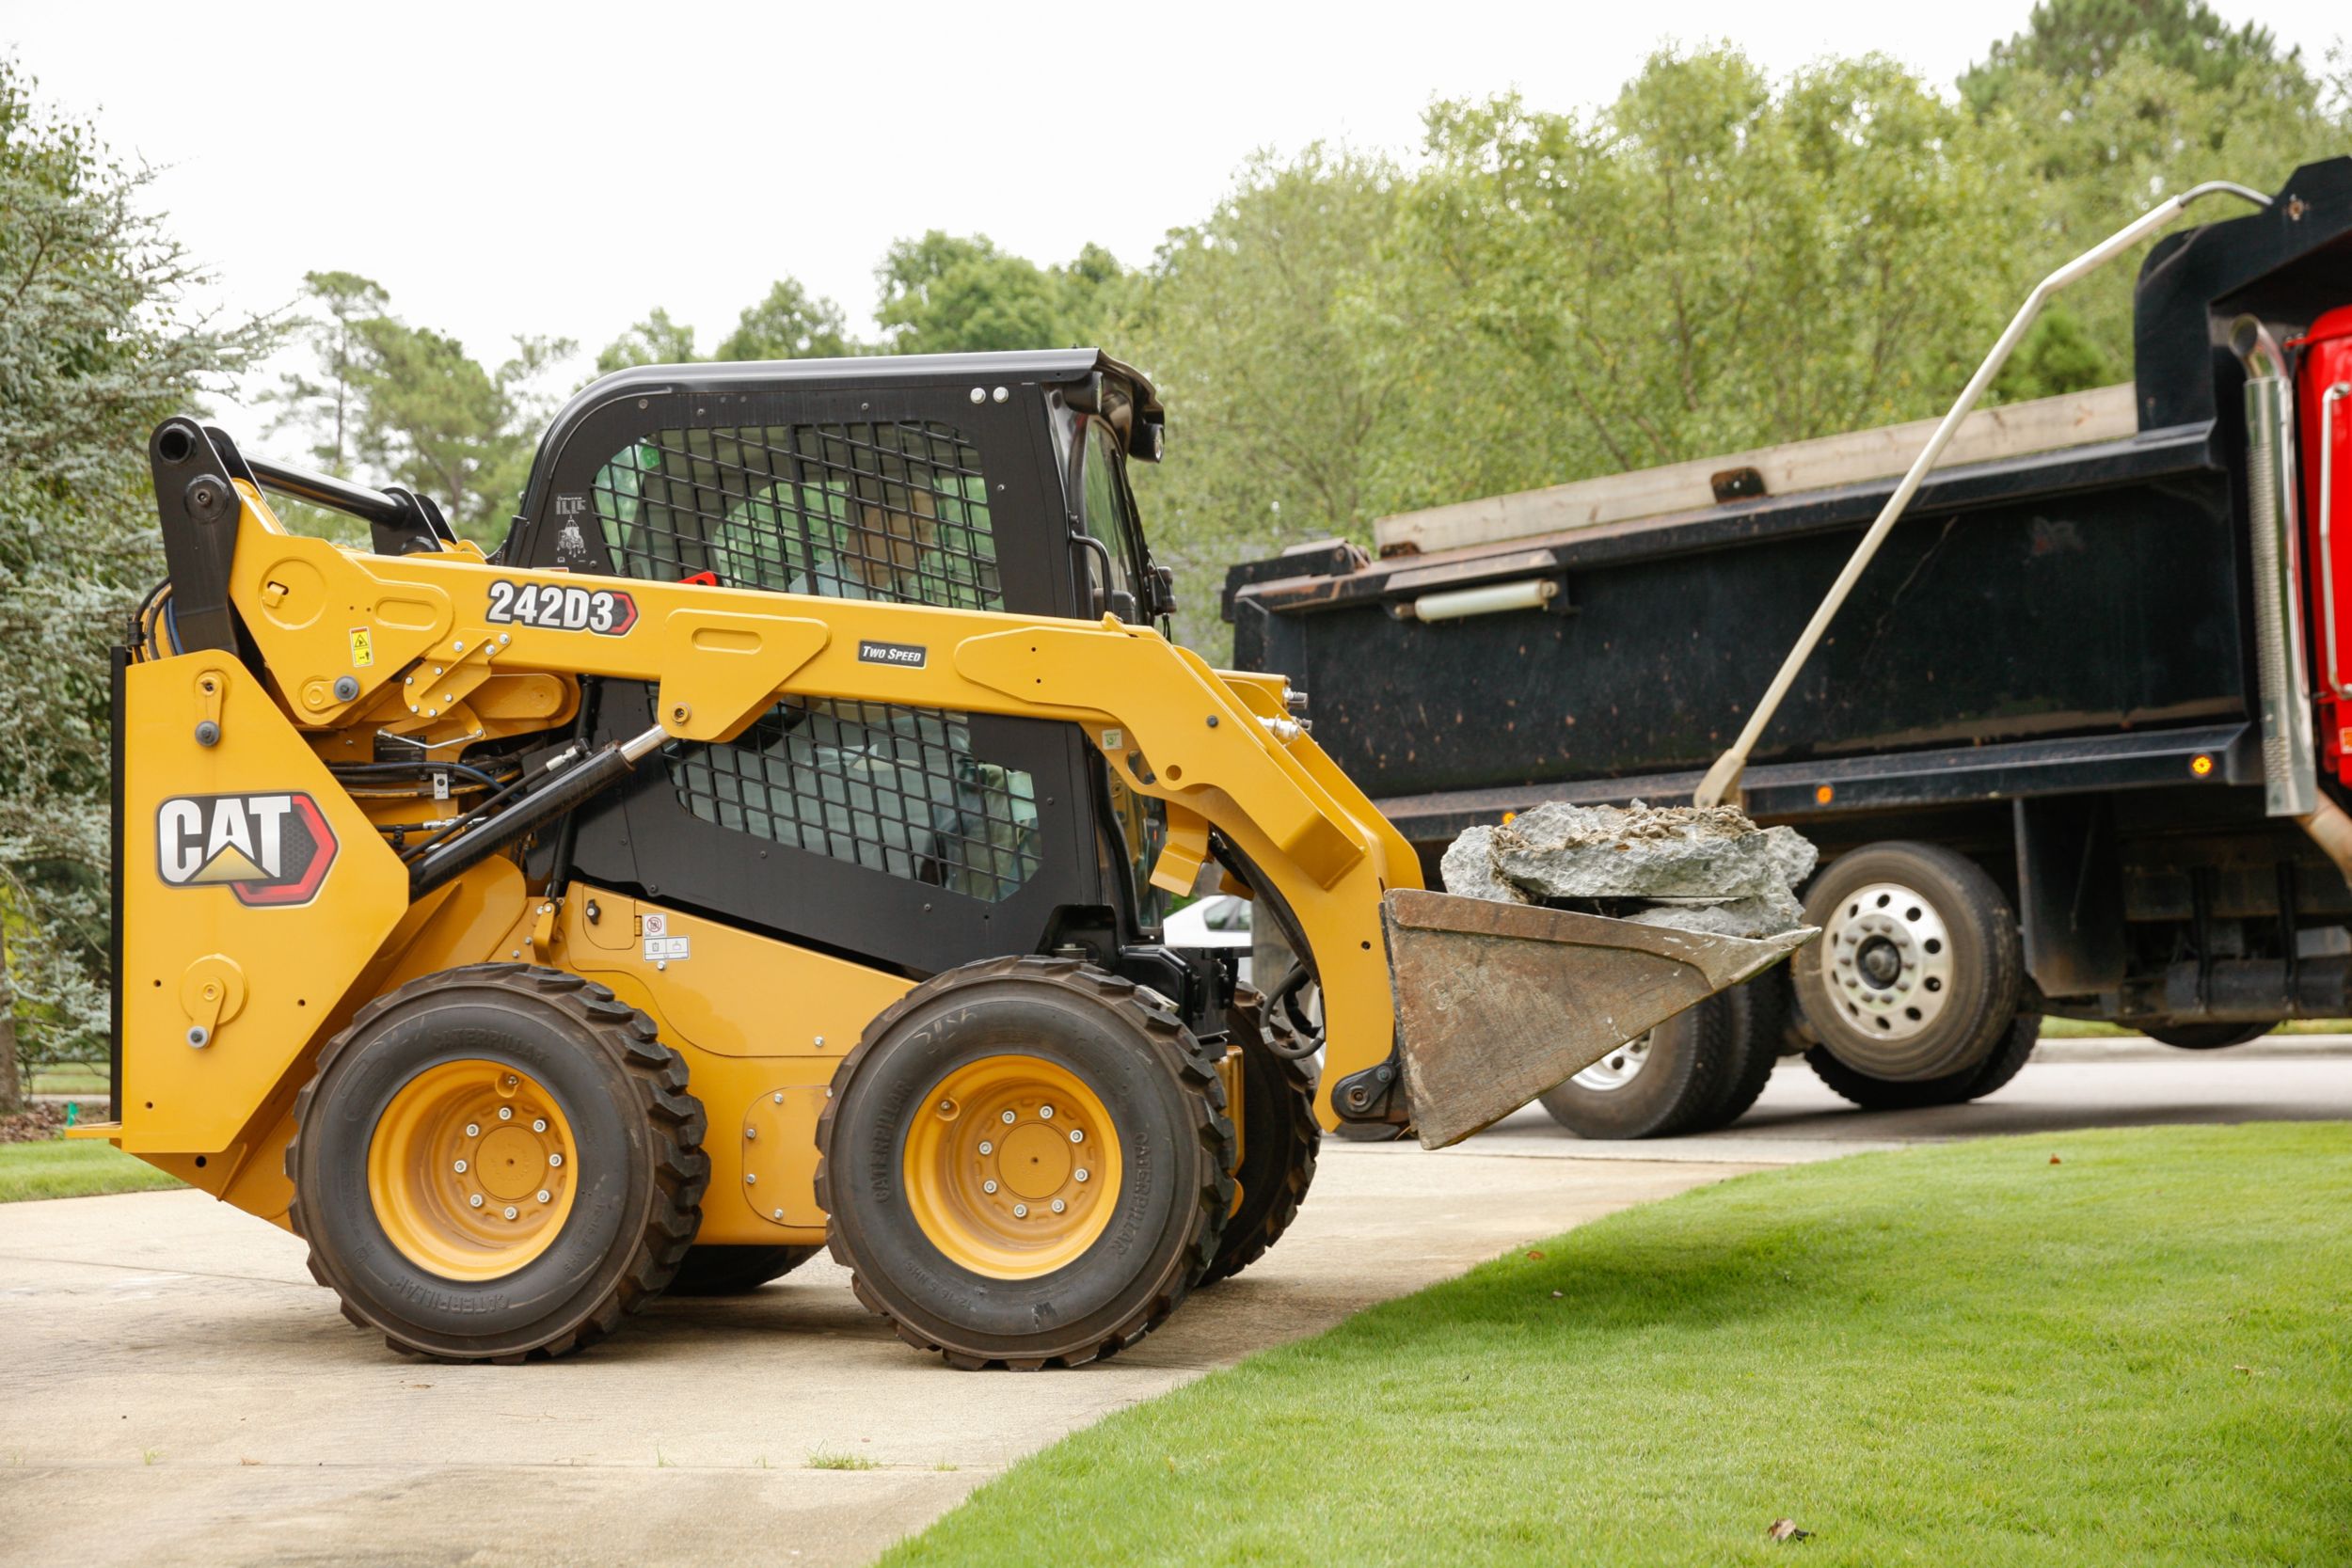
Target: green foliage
{"points": [[98, 345], [945, 293], [409, 405], [655, 341], [1971, 1354], [2078, 41], [1279, 398], [788, 324]]}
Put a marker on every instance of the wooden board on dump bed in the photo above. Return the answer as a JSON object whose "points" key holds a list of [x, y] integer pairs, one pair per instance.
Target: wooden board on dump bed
{"points": [[2045, 424]]}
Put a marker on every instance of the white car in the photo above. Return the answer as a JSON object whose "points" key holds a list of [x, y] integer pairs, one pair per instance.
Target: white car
{"points": [[1220, 920]]}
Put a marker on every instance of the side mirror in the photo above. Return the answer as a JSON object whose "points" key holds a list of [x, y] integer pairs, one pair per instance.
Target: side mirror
{"points": [[1161, 583]]}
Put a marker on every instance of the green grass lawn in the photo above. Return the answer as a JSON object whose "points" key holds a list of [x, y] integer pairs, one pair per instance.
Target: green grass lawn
{"points": [[1957, 1355], [61, 1169]]}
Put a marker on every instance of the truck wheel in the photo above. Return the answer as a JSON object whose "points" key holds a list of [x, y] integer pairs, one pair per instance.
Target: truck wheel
{"points": [[1279, 1139], [1877, 1094], [495, 1162], [731, 1271], [1666, 1082], [2204, 1036], [1918, 974], [1026, 1161]]}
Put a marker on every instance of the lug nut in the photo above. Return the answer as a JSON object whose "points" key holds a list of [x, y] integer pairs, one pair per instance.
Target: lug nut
{"points": [[988, 1186], [543, 1195], [473, 1129], [539, 1124], [1044, 1112], [475, 1201], [555, 1159], [506, 1113], [1007, 1118], [508, 1210], [461, 1168], [1082, 1173], [1076, 1137], [1021, 1211], [1059, 1205], [987, 1147]]}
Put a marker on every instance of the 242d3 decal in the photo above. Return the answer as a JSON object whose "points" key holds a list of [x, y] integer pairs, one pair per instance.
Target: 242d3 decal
{"points": [[271, 850]]}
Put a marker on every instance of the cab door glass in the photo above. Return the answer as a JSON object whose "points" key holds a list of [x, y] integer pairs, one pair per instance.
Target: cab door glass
{"points": [[1106, 517]]}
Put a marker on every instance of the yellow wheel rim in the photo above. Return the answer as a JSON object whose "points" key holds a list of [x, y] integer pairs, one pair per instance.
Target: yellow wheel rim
{"points": [[1013, 1166], [472, 1170]]}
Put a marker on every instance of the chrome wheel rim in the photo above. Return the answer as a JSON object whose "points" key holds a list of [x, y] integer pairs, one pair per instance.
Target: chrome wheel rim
{"points": [[1616, 1070], [1886, 958]]}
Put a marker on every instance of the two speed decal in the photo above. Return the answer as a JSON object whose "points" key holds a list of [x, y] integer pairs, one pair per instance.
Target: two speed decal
{"points": [[606, 611]]}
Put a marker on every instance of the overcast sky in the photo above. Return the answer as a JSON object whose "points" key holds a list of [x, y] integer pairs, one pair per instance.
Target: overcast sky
{"points": [[502, 168]]}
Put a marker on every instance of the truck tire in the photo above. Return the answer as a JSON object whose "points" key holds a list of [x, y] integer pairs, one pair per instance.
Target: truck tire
{"points": [[1666, 1082], [1918, 974], [1877, 1094], [496, 1162], [1762, 1007], [2204, 1036], [1026, 1163], [1279, 1140], [732, 1271]]}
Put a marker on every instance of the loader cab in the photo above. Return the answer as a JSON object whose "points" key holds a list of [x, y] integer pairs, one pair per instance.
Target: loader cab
{"points": [[907, 837]]}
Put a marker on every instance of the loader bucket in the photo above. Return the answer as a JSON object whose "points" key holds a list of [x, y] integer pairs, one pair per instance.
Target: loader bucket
{"points": [[1497, 1002]]}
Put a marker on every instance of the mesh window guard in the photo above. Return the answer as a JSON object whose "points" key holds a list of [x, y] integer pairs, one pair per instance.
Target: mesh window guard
{"points": [[873, 511]]}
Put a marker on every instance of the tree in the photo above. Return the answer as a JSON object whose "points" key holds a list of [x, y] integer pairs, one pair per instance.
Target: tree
{"points": [[1277, 400], [327, 404], [788, 324], [947, 294], [2112, 106], [98, 344], [655, 341], [2080, 42], [437, 421], [408, 405]]}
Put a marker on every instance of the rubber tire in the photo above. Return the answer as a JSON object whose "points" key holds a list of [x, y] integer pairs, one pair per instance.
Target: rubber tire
{"points": [[1877, 1094], [1763, 1005], [1988, 958], [1694, 1058], [624, 1095], [1279, 1140], [1152, 1075], [2204, 1036], [733, 1271]]}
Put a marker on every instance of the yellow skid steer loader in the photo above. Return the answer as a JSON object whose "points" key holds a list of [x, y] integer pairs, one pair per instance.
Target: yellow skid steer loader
{"points": [[764, 849]]}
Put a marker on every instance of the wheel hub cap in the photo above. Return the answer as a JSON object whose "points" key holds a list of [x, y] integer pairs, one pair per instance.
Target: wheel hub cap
{"points": [[472, 1170], [1616, 1070], [1014, 1168], [1888, 959]]}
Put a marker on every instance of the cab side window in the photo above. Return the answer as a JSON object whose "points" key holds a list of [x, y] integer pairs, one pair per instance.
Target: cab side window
{"points": [[1104, 513]]}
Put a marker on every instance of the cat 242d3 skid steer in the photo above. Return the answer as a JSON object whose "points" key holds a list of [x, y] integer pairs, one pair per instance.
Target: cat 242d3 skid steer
{"points": [[762, 850]]}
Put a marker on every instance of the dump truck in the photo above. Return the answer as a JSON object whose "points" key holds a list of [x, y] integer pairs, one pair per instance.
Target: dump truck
{"points": [[2076, 742], [764, 849]]}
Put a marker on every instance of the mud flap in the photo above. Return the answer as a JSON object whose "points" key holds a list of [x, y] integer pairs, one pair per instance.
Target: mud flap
{"points": [[1497, 1002]]}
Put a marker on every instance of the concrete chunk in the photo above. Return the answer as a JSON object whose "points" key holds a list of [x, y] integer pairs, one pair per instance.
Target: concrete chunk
{"points": [[1706, 869]]}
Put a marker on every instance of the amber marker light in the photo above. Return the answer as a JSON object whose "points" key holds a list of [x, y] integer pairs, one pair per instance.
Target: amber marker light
{"points": [[2201, 765], [1824, 795]]}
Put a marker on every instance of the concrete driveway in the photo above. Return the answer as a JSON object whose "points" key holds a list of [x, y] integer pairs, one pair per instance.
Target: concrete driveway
{"points": [[180, 1392]]}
